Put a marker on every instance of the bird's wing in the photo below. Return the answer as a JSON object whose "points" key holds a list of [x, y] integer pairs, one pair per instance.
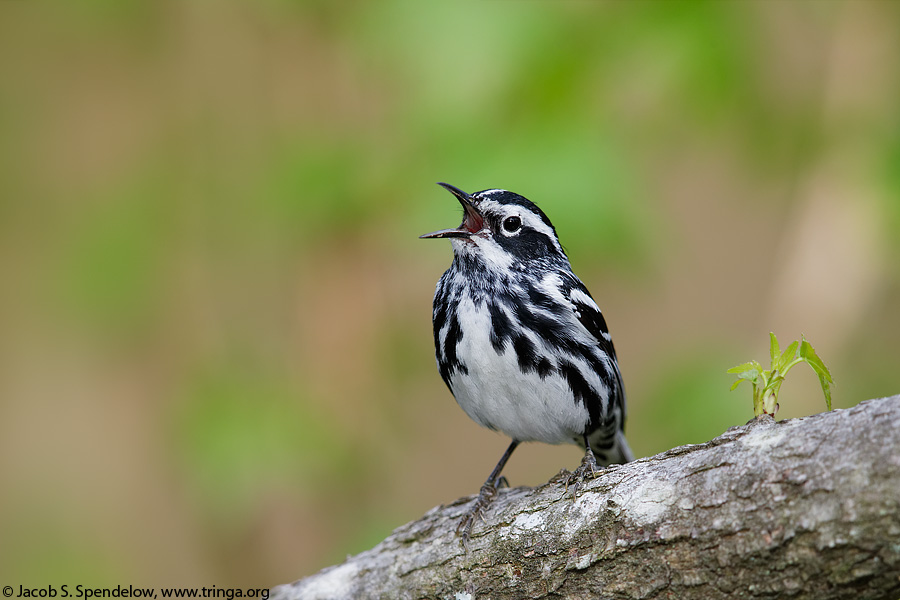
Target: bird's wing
{"points": [[588, 314]]}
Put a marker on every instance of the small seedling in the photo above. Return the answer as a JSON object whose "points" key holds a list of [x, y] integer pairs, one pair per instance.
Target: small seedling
{"points": [[766, 383]]}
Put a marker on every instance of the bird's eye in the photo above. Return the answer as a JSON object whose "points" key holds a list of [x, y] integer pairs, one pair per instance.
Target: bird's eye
{"points": [[512, 224]]}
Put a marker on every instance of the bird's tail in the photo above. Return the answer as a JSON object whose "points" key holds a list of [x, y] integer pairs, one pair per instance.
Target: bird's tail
{"points": [[611, 453], [621, 452]]}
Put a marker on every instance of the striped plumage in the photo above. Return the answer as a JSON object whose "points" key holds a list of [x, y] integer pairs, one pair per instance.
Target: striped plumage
{"points": [[519, 340]]}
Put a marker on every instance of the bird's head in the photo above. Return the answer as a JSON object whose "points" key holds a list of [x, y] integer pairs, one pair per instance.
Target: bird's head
{"points": [[501, 228]]}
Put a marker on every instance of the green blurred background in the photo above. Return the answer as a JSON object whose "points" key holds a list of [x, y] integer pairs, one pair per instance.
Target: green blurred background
{"points": [[215, 341]]}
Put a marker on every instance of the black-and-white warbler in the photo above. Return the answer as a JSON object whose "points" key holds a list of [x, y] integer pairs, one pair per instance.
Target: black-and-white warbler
{"points": [[520, 342]]}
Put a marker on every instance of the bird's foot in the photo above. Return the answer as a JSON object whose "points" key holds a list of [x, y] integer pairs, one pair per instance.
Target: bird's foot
{"points": [[584, 473], [476, 511]]}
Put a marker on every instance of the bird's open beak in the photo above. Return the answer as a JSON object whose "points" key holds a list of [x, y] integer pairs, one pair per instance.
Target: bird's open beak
{"points": [[472, 219]]}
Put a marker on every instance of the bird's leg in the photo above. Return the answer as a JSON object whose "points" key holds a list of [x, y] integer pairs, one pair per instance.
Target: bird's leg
{"points": [[485, 496], [585, 472]]}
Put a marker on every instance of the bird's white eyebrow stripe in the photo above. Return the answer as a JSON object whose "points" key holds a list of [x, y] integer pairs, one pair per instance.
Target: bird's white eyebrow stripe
{"points": [[489, 192]]}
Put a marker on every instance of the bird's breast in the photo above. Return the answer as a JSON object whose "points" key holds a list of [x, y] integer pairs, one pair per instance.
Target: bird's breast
{"points": [[496, 392]]}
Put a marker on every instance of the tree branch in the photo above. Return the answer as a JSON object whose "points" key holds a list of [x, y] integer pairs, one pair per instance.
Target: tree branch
{"points": [[802, 508]]}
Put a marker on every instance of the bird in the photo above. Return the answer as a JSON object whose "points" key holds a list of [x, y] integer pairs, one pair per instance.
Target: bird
{"points": [[521, 343]]}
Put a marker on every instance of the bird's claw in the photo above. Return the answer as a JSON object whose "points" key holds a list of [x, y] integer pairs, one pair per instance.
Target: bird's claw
{"points": [[476, 511], [584, 473]]}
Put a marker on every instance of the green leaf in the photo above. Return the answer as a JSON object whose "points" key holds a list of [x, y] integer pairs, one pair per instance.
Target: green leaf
{"points": [[774, 352], [767, 383], [826, 389], [785, 359], [808, 353], [746, 367]]}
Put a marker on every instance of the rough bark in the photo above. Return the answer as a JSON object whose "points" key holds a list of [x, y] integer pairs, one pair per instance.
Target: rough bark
{"points": [[802, 508]]}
